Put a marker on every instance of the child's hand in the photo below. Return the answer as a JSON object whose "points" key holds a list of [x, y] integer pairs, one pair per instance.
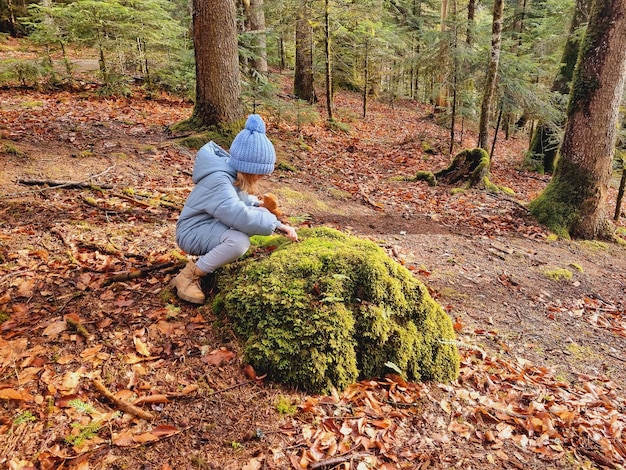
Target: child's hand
{"points": [[288, 231]]}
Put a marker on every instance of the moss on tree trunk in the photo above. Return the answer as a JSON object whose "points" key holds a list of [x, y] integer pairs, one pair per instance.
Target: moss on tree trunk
{"points": [[332, 309]]}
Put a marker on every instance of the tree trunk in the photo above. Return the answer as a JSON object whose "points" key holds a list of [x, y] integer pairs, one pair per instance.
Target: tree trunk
{"points": [[492, 72], [469, 167], [218, 90], [574, 202], [259, 42], [303, 76], [329, 70], [441, 103], [545, 140], [471, 13]]}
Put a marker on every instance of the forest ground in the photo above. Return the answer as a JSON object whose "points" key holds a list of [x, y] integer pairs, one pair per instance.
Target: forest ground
{"points": [[542, 381]]}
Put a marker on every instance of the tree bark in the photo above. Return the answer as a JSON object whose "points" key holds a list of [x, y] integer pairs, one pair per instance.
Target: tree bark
{"points": [[303, 77], [257, 27], [329, 69], [545, 141], [218, 89], [574, 202], [492, 72]]}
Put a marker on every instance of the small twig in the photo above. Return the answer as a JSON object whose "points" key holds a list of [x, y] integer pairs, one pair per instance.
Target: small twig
{"points": [[121, 404], [338, 460], [222, 390], [617, 357]]}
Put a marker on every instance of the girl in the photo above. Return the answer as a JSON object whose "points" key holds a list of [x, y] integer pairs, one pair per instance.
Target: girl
{"points": [[220, 214]]}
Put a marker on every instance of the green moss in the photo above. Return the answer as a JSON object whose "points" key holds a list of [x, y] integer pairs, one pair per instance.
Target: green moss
{"points": [[11, 149], [559, 274], [557, 207], [283, 166], [332, 309], [285, 406], [427, 176], [577, 267]]}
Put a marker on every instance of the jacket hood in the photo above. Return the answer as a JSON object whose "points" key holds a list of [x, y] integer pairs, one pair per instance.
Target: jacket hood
{"points": [[211, 158]]}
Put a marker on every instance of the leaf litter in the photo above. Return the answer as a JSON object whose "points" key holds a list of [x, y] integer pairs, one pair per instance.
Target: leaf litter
{"points": [[100, 367]]}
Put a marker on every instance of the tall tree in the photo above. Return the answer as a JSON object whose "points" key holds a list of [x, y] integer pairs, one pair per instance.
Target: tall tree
{"points": [[574, 202], [259, 43], [546, 140], [303, 76], [327, 54], [218, 89], [492, 72]]}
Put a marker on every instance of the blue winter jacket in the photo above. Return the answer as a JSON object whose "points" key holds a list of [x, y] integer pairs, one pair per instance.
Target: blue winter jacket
{"points": [[216, 205]]}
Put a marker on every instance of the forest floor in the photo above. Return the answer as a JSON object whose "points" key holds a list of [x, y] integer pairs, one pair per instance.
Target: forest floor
{"points": [[541, 321]]}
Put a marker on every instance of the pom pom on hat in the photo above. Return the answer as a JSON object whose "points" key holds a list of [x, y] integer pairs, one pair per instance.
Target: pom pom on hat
{"points": [[251, 151]]}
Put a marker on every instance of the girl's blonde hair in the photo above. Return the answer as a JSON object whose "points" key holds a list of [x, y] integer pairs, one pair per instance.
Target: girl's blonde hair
{"points": [[247, 182]]}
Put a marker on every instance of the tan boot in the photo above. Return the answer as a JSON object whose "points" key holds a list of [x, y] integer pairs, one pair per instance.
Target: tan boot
{"points": [[187, 284]]}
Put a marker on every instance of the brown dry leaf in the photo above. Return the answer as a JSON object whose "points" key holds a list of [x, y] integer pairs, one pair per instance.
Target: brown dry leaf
{"points": [[145, 437], [72, 379], [54, 329], [123, 439], [141, 347], [26, 288], [165, 430], [253, 464], [152, 399], [5, 298], [218, 356], [10, 394]]}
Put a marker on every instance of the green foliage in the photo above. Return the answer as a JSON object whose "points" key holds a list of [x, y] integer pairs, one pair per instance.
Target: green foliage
{"points": [[24, 417], [331, 309], [21, 71]]}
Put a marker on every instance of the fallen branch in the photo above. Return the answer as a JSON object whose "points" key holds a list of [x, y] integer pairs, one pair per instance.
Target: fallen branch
{"points": [[141, 272], [64, 184], [337, 460], [121, 404]]}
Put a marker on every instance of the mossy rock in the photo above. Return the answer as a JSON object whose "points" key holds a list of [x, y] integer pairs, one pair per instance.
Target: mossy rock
{"points": [[333, 309]]}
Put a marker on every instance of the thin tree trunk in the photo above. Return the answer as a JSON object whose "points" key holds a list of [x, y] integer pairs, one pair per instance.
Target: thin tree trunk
{"points": [[620, 196], [471, 13], [492, 72], [365, 79], [329, 80]]}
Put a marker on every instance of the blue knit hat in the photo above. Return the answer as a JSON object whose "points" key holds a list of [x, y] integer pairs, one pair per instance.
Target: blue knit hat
{"points": [[251, 151]]}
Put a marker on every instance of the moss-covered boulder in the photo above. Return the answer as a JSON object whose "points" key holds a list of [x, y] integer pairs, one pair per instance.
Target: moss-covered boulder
{"points": [[333, 309]]}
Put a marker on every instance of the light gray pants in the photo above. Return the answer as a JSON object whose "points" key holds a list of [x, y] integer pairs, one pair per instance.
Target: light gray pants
{"points": [[233, 244]]}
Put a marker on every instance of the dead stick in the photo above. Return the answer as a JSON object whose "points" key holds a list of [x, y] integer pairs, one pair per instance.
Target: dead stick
{"points": [[64, 184], [121, 404], [338, 460], [137, 273]]}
